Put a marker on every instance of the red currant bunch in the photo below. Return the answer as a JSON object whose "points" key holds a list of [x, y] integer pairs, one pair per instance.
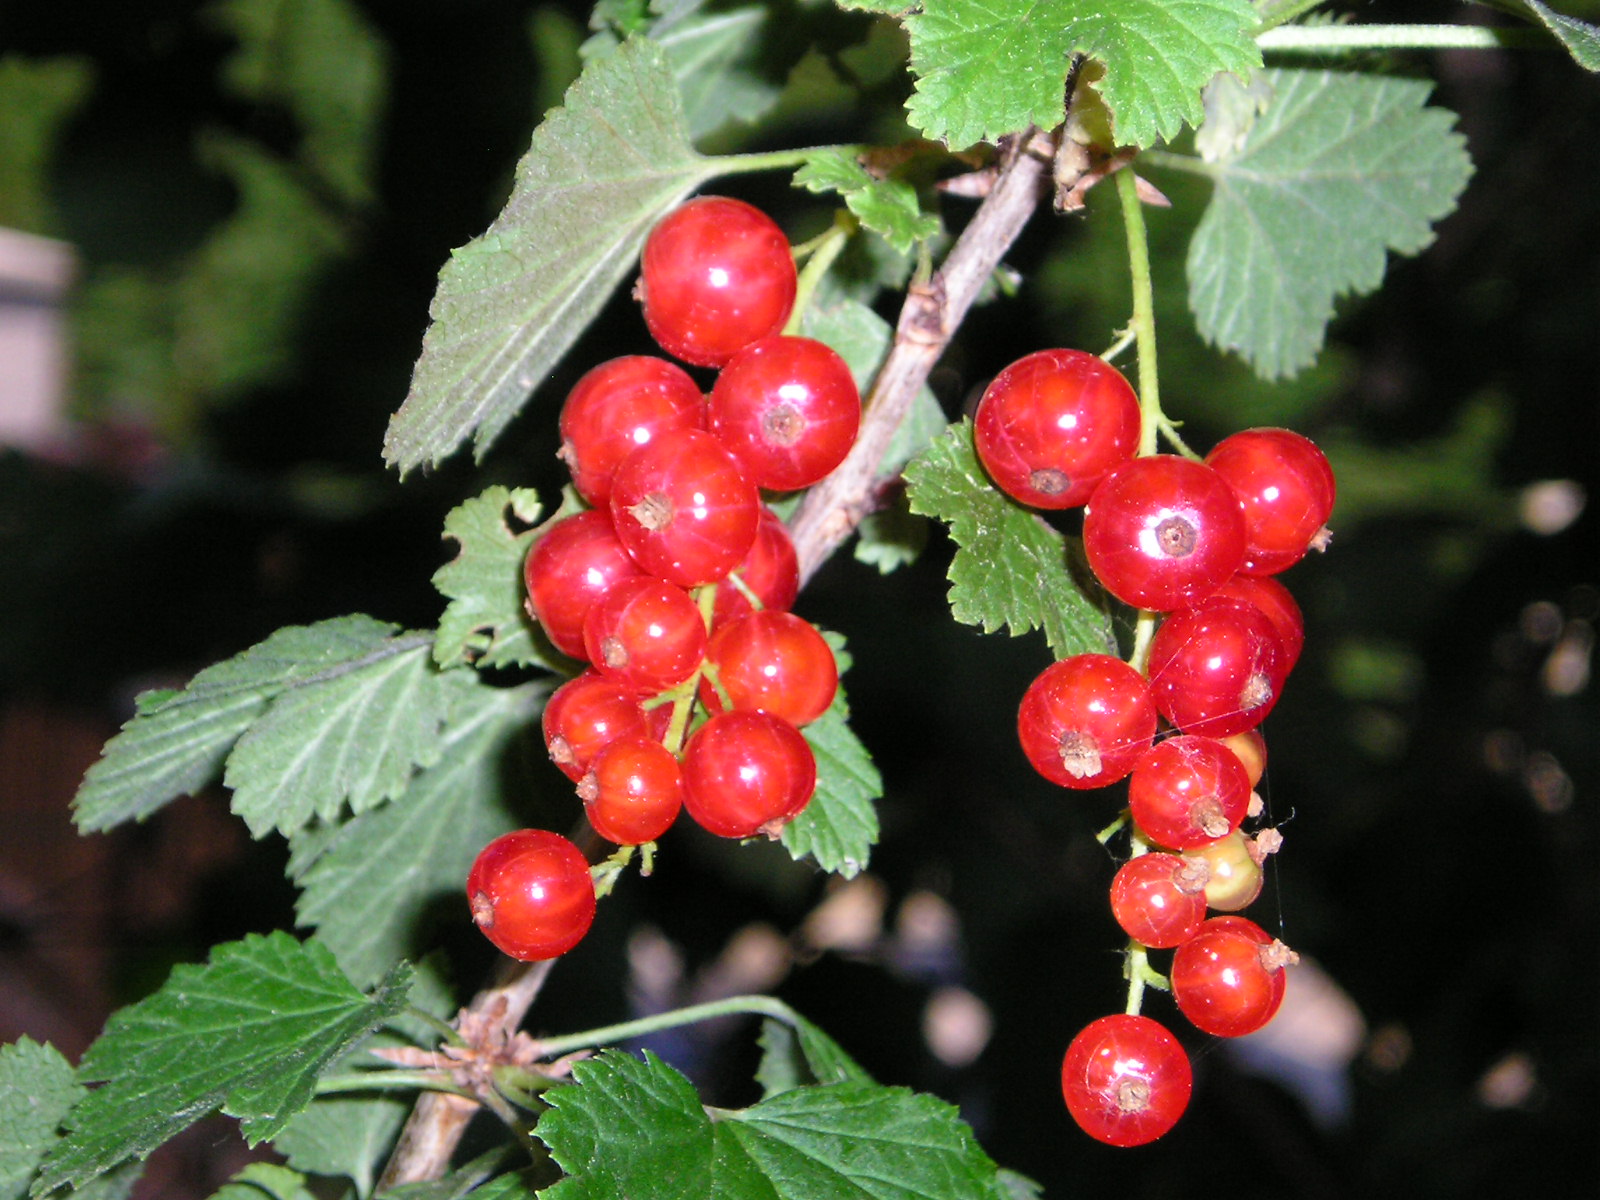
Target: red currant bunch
{"points": [[674, 585]]}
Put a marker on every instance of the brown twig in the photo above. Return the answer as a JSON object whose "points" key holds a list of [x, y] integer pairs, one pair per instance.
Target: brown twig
{"points": [[832, 509]]}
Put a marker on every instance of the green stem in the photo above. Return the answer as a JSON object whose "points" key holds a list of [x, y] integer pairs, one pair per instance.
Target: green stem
{"points": [[388, 1081], [824, 250], [1144, 310], [774, 160], [1341, 39], [765, 1006]]}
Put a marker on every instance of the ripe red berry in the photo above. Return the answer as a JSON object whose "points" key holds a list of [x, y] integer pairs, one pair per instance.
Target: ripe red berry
{"points": [[1160, 899], [771, 570], [1286, 487], [715, 275], [531, 894], [1163, 532], [586, 714], [1051, 425], [773, 661], [1086, 720], [1228, 979], [573, 564], [747, 772], [1275, 602], [647, 633], [1216, 669], [788, 408], [1187, 791], [632, 791], [684, 508], [1126, 1080], [617, 407]]}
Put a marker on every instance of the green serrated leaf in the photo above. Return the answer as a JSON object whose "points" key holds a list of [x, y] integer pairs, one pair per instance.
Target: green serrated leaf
{"points": [[265, 1181], [248, 1033], [353, 733], [321, 61], [485, 621], [838, 829], [1581, 39], [177, 742], [1010, 568], [888, 207], [628, 1127], [1336, 173], [370, 882], [985, 68], [600, 172], [800, 1054], [37, 1087]]}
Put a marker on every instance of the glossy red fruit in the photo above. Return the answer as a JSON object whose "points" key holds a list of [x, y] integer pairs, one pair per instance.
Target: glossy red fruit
{"points": [[1187, 791], [632, 791], [684, 508], [617, 407], [647, 633], [1276, 604], [531, 894], [1126, 1080], [1160, 899], [1085, 721], [1229, 978], [572, 565], [716, 274], [1286, 487], [772, 661], [586, 714], [771, 571], [1162, 532], [1051, 425], [747, 772], [1216, 669], [789, 410]]}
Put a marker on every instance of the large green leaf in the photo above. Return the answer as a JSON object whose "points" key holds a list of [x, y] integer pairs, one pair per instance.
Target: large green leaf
{"points": [[628, 1127], [37, 1087], [371, 881], [838, 829], [600, 172], [1010, 568], [248, 1033], [1338, 171], [985, 68], [486, 621]]}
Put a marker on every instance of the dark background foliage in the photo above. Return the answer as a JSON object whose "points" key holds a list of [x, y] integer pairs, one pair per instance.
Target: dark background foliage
{"points": [[1434, 762]]}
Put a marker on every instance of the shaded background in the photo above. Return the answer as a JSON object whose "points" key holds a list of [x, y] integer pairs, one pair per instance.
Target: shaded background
{"points": [[254, 232]]}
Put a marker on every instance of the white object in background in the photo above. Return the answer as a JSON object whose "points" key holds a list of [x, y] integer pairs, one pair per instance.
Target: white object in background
{"points": [[35, 273]]}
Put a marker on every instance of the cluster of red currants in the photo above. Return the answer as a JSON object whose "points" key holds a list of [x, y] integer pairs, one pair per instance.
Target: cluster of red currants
{"points": [[1195, 544], [675, 583]]}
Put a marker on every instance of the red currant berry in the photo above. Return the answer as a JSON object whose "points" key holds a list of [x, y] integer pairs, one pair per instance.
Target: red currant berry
{"points": [[1163, 532], [1234, 877], [788, 408], [618, 407], [1275, 602], [1216, 669], [1160, 899], [1251, 749], [633, 791], [774, 661], [1286, 487], [1051, 425], [647, 633], [1086, 720], [586, 714], [684, 509], [1126, 1080], [1187, 791], [574, 563], [1228, 979], [531, 894], [716, 274], [747, 772], [771, 571]]}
